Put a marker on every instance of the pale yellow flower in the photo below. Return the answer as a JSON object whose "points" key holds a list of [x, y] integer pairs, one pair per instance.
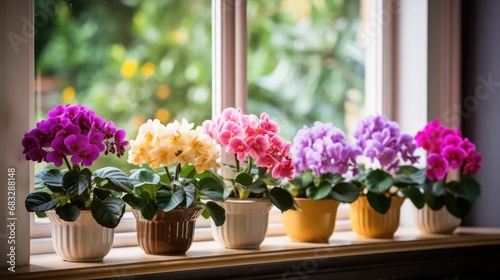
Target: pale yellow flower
{"points": [[138, 153]]}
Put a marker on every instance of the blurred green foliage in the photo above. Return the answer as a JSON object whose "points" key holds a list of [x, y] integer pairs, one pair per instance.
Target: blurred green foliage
{"points": [[132, 60]]}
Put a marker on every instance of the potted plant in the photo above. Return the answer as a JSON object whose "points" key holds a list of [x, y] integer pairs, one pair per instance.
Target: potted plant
{"points": [[321, 157], [383, 182], [446, 190], [83, 207], [253, 178], [168, 199]]}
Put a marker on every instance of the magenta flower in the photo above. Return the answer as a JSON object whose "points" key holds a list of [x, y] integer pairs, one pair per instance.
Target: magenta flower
{"points": [[239, 147], [75, 131], [450, 146], [438, 167]]}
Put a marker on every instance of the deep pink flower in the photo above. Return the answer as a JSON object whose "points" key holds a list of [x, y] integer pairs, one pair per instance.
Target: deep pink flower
{"points": [[258, 145], [454, 155], [438, 167], [284, 169], [229, 131]]}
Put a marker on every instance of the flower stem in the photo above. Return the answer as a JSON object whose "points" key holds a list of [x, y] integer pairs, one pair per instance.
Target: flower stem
{"points": [[168, 174], [178, 171], [237, 163], [67, 162]]}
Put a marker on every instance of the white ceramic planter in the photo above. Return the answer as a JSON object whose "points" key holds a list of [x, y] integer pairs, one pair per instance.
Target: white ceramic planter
{"points": [[83, 240], [440, 221], [246, 223]]}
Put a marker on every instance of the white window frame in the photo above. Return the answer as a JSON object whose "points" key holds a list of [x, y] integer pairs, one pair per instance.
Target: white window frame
{"points": [[440, 76]]}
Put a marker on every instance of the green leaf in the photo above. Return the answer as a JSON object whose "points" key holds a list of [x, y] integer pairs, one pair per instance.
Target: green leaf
{"points": [[205, 213], [258, 187], [101, 193], [303, 180], [135, 201], [114, 176], [190, 192], [39, 183], [281, 198], [108, 212], [68, 212], [166, 200], [379, 202], [457, 206], [333, 178], [455, 188], [322, 191], [76, 182], [40, 202], [188, 171], [471, 189], [212, 188], [438, 188], [217, 213], [244, 179], [345, 192], [378, 181], [53, 179], [434, 202], [410, 175], [144, 177], [415, 195]]}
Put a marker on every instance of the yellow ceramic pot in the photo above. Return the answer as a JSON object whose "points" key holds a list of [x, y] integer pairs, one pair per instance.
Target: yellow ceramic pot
{"points": [[314, 223], [367, 222]]}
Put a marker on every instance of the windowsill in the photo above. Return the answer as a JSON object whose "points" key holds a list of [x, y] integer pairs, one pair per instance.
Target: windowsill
{"points": [[128, 261]]}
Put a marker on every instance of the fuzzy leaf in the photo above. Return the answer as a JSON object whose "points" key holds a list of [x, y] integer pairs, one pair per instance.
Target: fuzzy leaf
{"points": [[281, 198], [144, 177], [471, 189], [457, 206], [378, 181], [434, 202], [40, 202], [114, 176], [166, 200], [76, 182], [322, 191], [212, 188], [415, 195], [345, 192], [68, 212], [244, 179], [108, 212], [379, 202], [217, 213]]}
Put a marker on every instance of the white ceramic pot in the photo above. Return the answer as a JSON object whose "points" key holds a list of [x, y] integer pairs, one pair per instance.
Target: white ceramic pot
{"points": [[440, 221], [246, 223], [83, 240]]}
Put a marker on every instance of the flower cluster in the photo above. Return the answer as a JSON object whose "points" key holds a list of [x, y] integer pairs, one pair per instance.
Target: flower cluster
{"points": [[246, 135], [322, 149], [160, 146], [380, 139], [75, 131], [447, 149]]}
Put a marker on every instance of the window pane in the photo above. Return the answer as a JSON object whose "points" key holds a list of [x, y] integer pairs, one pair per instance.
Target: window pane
{"points": [[305, 63], [128, 60]]}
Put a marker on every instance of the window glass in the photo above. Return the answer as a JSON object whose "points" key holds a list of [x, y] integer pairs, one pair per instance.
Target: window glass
{"points": [[305, 62], [128, 60]]}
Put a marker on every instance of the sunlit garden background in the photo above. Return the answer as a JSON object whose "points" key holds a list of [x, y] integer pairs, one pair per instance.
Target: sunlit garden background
{"points": [[133, 60]]}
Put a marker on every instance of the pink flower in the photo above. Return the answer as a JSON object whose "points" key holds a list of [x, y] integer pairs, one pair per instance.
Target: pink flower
{"points": [[473, 164], [230, 130], [258, 145], [239, 147], [284, 169], [438, 167]]}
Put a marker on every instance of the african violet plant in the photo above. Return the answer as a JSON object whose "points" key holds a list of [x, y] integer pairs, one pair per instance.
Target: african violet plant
{"points": [[446, 151], [260, 156], [77, 133], [384, 147], [184, 161], [321, 157]]}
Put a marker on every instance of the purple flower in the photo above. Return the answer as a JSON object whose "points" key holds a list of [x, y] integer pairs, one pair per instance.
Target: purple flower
{"points": [[322, 149], [380, 140]]}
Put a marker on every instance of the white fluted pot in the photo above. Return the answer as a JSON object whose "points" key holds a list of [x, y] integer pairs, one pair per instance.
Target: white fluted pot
{"points": [[439, 222], [83, 240], [246, 223]]}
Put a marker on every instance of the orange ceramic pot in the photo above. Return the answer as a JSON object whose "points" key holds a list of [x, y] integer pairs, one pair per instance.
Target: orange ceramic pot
{"points": [[314, 223], [367, 222], [168, 233]]}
